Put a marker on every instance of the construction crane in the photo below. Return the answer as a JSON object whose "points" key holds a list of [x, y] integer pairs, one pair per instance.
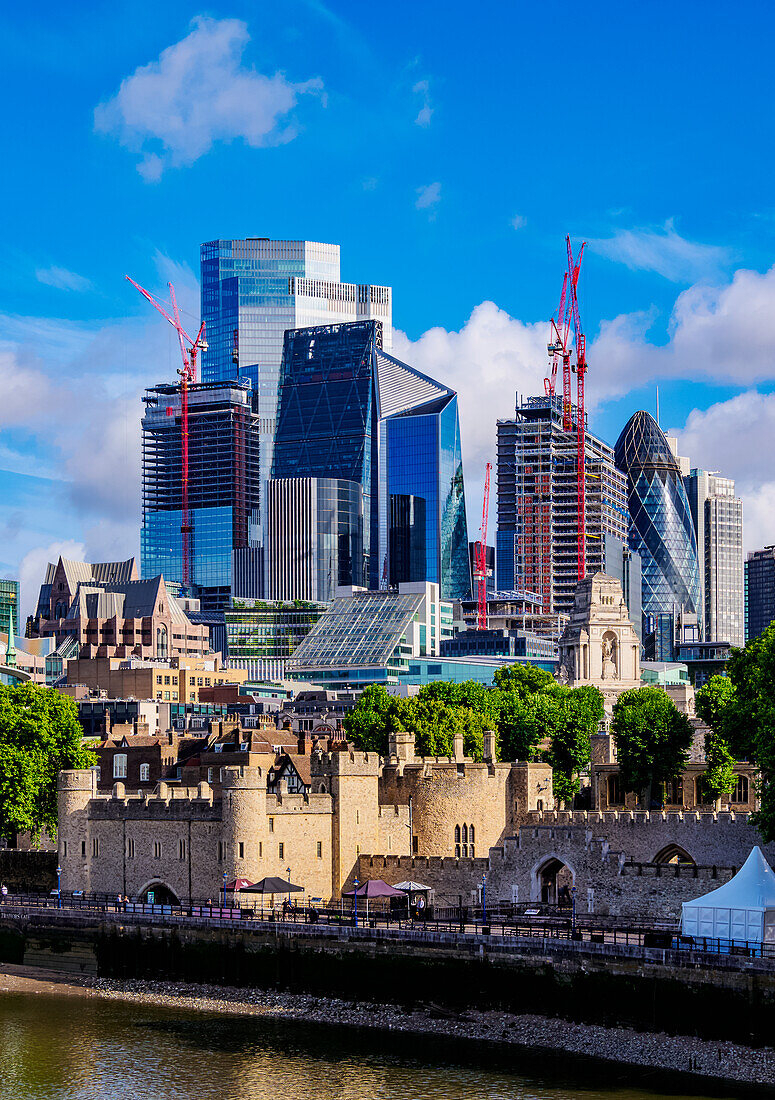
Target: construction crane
{"points": [[480, 557], [560, 329], [581, 370], [189, 349]]}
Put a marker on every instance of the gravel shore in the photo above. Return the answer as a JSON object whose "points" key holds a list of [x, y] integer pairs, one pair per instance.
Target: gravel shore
{"points": [[719, 1061]]}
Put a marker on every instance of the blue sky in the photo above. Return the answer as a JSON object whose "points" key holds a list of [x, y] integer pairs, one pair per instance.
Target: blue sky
{"points": [[448, 150]]}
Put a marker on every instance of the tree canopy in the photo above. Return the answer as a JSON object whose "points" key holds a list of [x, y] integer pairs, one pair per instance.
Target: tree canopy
{"points": [[531, 714], [39, 736], [652, 739]]}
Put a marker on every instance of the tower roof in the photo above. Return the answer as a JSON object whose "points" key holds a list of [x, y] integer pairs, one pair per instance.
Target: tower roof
{"points": [[642, 443]]}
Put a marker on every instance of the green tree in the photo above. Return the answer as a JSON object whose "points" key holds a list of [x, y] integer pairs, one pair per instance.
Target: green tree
{"points": [[652, 739], [524, 680], [40, 735], [374, 716], [435, 724], [581, 711], [720, 764], [519, 731]]}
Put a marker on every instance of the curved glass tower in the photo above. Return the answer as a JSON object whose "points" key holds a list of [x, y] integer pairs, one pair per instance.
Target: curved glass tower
{"points": [[661, 527]]}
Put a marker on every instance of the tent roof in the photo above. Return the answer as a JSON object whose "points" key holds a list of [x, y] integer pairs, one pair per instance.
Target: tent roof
{"points": [[753, 887], [374, 888], [237, 884], [411, 885]]}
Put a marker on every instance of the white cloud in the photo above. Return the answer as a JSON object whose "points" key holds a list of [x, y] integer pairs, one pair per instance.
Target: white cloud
{"points": [[61, 278], [172, 110], [665, 252], [736, 438], [32, 569], [519, 221], [428, 197], [422, 88]]}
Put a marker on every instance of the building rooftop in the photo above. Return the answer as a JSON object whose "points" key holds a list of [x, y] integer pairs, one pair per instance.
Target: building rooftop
{"points": [[362, 629]]}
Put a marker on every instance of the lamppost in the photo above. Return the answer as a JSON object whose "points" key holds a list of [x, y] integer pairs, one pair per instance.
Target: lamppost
{"points": [[288, 873], [484, 897], [224, 889], [573, 911], [355, 900], [59, 887]]}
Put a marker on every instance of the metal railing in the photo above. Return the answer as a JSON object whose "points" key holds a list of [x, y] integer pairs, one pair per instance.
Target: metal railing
{"points": [[461, 922]]}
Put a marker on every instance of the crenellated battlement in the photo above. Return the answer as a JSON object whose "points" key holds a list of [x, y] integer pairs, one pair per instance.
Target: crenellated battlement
{"points": [[636, 817], [283, 803]]}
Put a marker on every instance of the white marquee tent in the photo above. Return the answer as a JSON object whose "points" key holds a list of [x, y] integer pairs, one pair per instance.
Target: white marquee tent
{"points": [[742, 909]]}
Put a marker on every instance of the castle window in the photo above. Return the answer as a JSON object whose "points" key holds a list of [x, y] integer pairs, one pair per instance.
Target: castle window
{"points": [[83, 849], [271, 824], [64, 849], [157, 849], [471, 851], [260, 850], [130, 848], [281, 851], [221, 850], [457, 851], [740, 793], [320, 849], [465, 850], [615, 791], [181, 849], [145, 773], [703, 793], [674, 791], [465, 834], [119, 766], [471, 833], [241, 849], [95, 847], [357, 817], [210, 775], [457, 834]]}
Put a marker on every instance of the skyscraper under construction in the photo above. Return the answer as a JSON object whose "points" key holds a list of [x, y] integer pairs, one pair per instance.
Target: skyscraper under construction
{"points": [[223, 483], [537, 492]]}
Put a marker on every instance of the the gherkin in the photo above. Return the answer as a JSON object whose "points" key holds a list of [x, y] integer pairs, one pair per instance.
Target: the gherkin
{"points": [[661, 528]]}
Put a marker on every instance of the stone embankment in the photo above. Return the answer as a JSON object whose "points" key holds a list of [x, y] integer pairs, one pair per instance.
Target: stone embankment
{"points": [[732, 1064]]}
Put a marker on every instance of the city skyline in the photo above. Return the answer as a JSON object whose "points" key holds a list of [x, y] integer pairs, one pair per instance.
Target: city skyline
{"points": [[675, 288]]}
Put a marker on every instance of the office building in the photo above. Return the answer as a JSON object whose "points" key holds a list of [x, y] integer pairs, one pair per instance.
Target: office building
{"points": [[119, 617], [314, 538], [253, 291], [537, 516], [352, 413], [263, 635], [9, 605], [366, 638], [661, 526], [759, 591], [718, 523], [223, 484], [514, 644]]}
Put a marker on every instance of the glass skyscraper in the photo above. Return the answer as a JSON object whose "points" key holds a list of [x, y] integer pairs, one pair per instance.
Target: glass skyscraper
{"points": [[350, 411], [253, 291], [223, 487], [9, 604], [661, 526], [718, 525]]}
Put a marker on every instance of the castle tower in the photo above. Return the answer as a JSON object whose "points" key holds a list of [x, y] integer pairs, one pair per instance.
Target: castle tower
{"points": [[599, 646], [75, 789], [244, 831], [352, 779]]}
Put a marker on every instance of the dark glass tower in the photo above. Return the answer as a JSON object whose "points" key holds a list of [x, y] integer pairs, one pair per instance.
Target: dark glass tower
{"points": [[348, 410], [661, 527], [223, 484]]}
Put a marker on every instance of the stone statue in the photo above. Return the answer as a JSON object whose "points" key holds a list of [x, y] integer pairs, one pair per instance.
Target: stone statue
{"points": [[566, 669], [609, 658]]}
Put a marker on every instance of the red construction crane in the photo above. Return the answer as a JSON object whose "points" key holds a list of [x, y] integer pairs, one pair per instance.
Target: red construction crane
{"points": [[480, 557], [581, 370], [189, 350], [559, 332]]}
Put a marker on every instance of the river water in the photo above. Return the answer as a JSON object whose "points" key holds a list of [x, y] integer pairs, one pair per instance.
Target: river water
{"points": [[55, 1047]]}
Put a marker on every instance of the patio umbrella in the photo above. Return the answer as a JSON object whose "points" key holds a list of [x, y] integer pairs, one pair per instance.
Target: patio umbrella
{"points": [[272, 886], [238, 884], [374, 888]]}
